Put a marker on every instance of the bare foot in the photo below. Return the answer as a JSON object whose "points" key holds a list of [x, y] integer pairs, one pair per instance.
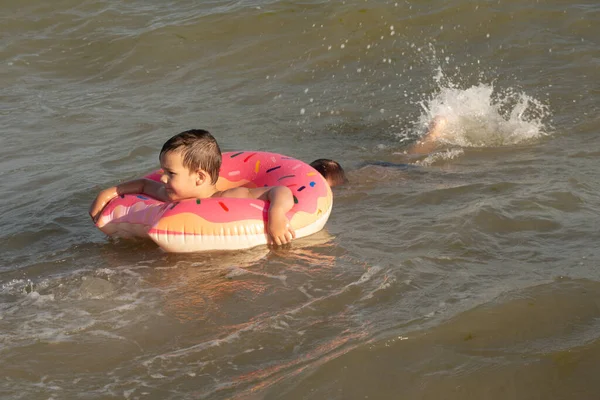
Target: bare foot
{"points": [[436, 128], [429, 141]]}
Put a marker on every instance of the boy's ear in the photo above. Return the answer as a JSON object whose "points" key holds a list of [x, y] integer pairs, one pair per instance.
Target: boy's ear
{"points": [[200, 177]]}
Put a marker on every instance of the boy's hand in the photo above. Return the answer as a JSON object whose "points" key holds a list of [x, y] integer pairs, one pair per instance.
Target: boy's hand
{"points": [[282, 200], [144, 186], [103, 198], [279, 228]]}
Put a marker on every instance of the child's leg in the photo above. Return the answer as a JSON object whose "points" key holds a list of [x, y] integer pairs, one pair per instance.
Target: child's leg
{"points": [[436, 128], [429, 141]]}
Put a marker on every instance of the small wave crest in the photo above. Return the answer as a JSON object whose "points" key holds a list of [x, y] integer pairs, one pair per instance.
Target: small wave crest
{"points": [[445, 155]]}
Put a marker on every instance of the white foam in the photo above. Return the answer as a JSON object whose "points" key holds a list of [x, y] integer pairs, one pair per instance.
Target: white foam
{"points": [[367, 275]]}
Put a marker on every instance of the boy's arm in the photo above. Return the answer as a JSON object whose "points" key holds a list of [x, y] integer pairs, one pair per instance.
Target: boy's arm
{"points": [[281, 200], [279, 227], [142, 186]]}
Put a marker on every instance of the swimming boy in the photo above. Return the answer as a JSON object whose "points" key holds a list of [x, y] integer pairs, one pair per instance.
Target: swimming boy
{"points": [[334, 174], [191, 161], [331, 170]]}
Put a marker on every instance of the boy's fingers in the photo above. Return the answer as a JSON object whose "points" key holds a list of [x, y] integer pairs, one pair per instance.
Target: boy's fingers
{"points": [[286, 238]]}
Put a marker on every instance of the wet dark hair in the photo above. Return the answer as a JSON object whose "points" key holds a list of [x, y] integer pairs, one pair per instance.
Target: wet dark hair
{"points": [[199, 150], [331, 170]]}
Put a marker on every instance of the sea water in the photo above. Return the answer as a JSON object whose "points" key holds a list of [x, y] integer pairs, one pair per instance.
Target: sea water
{"points": [[471, 274]]}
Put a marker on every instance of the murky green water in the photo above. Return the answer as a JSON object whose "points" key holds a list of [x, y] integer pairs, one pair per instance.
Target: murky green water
{"points": [[472, 273]]}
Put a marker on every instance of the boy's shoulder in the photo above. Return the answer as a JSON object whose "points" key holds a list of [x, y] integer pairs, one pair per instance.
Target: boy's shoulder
{"points": [[245, 193], [238, 192]]}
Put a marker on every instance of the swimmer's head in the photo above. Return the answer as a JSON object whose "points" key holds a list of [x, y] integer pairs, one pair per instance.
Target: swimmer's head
{"points": [[199, 151], [331, 170]]}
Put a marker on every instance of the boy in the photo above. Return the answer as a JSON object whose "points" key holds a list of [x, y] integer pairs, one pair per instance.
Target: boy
{"points": [[334, 174], [191, 161]]}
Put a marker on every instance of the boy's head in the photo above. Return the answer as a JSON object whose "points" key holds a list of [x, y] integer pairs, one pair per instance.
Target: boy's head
{"points": [[331, 170], [199, 151]]}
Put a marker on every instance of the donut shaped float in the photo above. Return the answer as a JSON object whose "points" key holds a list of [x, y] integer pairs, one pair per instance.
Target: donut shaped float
{"points": [[219, 223]]}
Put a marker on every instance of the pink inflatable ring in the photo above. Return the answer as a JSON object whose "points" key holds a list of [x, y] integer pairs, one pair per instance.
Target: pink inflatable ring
{"points": [[224, 223]]}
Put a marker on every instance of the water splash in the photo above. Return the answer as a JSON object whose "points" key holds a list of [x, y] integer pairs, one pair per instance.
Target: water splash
{"points": [[482, 116]]}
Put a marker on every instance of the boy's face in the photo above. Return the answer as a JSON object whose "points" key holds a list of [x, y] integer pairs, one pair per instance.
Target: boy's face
{"points": [[180, 183]]}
